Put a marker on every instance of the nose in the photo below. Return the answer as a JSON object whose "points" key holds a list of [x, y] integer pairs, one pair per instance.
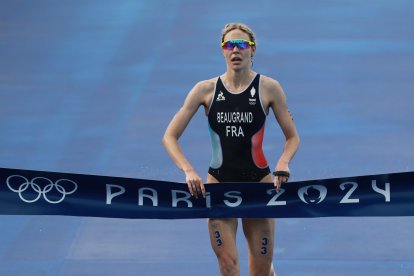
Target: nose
{"points": [[236, 48]]}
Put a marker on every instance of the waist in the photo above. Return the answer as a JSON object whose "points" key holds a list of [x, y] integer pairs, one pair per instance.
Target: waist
{"points": [[224, 174]]}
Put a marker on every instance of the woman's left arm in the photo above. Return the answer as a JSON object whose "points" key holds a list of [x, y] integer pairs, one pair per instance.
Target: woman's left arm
{"points": [[276, 100]]}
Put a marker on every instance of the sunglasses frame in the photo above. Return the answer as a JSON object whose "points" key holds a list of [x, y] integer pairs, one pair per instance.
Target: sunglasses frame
{"points": [[235, 42]]}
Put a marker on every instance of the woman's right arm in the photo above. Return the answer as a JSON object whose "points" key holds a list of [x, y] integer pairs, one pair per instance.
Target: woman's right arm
{"points": [[195, 98]]}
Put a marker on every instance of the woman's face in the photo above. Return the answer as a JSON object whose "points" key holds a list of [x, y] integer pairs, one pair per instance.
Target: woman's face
{"points": [[238, 59]]}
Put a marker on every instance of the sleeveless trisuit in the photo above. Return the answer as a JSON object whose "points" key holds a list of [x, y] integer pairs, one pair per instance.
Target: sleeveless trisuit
{"points": [[236, 126]]}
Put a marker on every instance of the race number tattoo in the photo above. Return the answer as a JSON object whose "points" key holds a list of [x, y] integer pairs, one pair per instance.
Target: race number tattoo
{"points": [[264, 246], [218, 238]]}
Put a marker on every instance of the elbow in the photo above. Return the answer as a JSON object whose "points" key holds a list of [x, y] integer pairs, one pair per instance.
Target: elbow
{"points": [[294, 140], [297, 141], [164, 141], [167, 140]]}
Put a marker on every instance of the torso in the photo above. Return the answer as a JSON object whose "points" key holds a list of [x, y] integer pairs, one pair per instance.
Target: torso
{"points": [[236, 126]]}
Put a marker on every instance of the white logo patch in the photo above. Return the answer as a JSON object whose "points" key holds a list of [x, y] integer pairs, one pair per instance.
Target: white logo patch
{"points": [[252, 93], [220, 97]]}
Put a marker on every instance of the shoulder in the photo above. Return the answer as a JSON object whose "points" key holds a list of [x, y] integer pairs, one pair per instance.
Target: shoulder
{"points": [[270, 85], [206, 86], [271, 91], [202, 92]]}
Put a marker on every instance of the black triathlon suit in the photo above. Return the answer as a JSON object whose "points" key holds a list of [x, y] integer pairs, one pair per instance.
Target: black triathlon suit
{"points": [[236, 126]]}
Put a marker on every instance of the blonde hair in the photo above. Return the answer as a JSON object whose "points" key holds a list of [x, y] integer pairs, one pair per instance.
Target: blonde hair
{"points": [[238, 26]]}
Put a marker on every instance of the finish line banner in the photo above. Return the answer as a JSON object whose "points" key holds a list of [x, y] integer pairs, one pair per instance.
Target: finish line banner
{"points": [[26, 192]]}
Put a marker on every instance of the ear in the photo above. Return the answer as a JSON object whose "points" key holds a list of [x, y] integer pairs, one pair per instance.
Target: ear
{"points": [[253, 51]]}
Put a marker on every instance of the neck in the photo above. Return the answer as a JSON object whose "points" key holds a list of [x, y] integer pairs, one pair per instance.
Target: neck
{"points": [[237, 80]]}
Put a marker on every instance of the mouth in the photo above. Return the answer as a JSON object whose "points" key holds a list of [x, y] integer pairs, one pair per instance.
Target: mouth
{"points": [[236, 59]]}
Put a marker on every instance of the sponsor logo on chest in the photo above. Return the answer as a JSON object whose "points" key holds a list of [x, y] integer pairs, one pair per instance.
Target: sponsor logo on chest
{"points": [[252, 99], [220, 97]]}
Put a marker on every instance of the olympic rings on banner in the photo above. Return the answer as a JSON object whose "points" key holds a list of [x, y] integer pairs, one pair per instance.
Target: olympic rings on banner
{"points": [[35, 185]]}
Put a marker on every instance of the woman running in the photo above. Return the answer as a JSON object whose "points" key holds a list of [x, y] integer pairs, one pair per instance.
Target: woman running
{"points": [[236, 104]]}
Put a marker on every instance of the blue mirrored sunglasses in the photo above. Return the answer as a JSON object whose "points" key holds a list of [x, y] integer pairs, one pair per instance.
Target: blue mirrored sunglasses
{"points": [[240, 43]]}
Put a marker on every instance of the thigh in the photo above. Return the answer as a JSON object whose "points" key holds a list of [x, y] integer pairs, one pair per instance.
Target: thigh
{"points": [[260, 234], [223, 236]]}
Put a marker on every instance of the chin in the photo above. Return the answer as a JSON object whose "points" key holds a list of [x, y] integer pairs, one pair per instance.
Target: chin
{"points": [[239, 68]]}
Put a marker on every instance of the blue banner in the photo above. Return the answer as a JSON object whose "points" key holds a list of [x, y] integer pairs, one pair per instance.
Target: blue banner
{"points": [[27, 192]]}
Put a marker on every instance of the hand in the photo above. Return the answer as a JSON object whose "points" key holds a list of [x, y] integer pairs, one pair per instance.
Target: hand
{"points": [[195, 183], [279, 180]]}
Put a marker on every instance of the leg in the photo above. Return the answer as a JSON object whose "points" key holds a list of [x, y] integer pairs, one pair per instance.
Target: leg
{"points": [[223, 240], [260, 239]]}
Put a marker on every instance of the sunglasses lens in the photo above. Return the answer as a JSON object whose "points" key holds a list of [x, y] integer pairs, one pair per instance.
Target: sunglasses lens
{"points": [[229, 45], [241, 44]]}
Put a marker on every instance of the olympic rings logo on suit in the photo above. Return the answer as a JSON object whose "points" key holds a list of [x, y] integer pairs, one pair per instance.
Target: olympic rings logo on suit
{"points": [[36, 187]]}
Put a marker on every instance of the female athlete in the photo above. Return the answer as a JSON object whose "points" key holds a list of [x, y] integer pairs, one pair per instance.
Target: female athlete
{"points": [[236, 104]]}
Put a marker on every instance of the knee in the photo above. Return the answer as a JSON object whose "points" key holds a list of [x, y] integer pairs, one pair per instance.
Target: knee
{"points": [[229, 264], [263, 269], [261, 265]]}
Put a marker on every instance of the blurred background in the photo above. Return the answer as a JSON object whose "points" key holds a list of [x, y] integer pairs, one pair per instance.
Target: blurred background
{"points": [[90, 86]]}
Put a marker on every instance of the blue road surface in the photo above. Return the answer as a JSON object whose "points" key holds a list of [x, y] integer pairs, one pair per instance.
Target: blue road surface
{"points": [[90, 86]]}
